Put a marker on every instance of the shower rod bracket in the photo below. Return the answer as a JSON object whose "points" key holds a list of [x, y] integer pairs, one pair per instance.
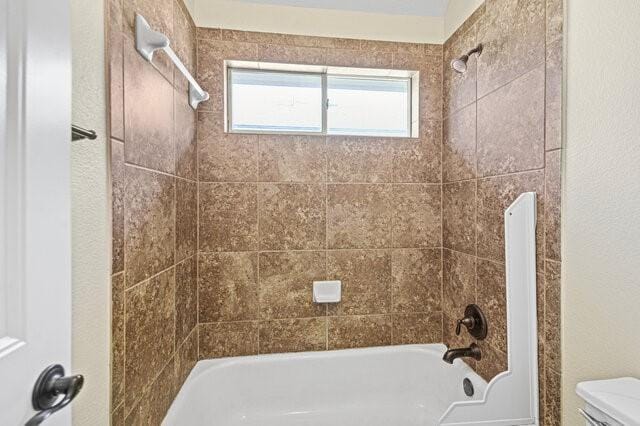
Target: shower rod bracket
{"points": [[148, 41]]}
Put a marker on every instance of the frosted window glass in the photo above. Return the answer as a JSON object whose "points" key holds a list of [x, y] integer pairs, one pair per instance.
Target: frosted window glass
{"points": [[368, 107], [275, 102]]}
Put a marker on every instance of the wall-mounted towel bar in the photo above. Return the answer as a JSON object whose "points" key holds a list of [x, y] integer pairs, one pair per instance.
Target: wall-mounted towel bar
{"points": [[148, 41], [78, 133]]}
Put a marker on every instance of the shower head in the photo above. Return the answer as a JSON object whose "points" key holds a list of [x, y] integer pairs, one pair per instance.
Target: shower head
{"points": [[459, 65]]}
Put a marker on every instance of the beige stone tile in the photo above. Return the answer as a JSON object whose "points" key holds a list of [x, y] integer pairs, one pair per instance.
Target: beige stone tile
{"points": [[228, 216], [150, 331], [552, 399], [430, 81], [292, 216], [225, 339], [540, 287], [148, 114], [511, 126], [293, 335], [291, 54], [359, 159], [211, 56], [286, 282], [211, 49], [289, 39], [507, 29], [359, 216], [419, 159], [159, 15], [186, 299], [553, 195], [459, 283], [554, 20], [117, 206], [410, 329], [184, 36], [117, 339], [493, 362], [417, 215], [206, 33], [366, 281], [492, 299], [417, 280], [155, 400], [211, 77], [459, 89], [227, 287], [254, 37], [116, 70], [356, 58], [186, 218], [552, 318], [541, 388], [286, 158], [392, 46], [185, 136], [494, 196], [553, 97], [186, 358], [359, 331], [225, 157], [117, 416], [459, 216], [326, 42], [459, 145], [149, 223]]}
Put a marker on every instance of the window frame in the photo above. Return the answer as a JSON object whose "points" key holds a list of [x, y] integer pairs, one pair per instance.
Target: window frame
{"points": [[324, 74]]}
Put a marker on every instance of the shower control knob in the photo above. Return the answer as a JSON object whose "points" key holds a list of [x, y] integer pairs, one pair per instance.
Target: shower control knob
{"points": [[468, 322], [475, 322]]}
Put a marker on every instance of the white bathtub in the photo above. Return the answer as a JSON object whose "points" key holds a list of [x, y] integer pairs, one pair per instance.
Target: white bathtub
{"points": [[386, 386]]}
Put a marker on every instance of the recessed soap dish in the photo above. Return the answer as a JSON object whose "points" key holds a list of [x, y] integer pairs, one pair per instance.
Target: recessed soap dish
{"points": [[327, 291]]}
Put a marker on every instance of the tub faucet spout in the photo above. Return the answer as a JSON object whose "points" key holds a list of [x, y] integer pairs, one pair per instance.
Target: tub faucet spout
{"points": [[473, 351]]}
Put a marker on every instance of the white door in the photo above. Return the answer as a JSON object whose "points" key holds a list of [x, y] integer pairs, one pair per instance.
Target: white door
{"points": [[35, 264]]}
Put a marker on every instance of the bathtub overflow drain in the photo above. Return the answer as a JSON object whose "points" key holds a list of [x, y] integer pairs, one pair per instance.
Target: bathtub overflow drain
{"points": [[468, 387]]}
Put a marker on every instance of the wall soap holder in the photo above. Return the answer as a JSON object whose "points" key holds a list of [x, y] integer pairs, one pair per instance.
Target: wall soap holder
{"points": [[327, 291]]}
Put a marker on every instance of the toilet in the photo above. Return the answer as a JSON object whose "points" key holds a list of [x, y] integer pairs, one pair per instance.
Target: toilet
{"points": [[614, 402]]}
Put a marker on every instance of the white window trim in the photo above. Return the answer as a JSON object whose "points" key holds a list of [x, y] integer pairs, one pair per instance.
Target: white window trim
{"points": [[325, 71]]}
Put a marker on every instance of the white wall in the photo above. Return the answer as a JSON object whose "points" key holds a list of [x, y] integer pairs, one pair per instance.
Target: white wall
{"points": [[190, 5], [331, 23], [601, 200], [457, 12], [237, 15], [90, 216]]}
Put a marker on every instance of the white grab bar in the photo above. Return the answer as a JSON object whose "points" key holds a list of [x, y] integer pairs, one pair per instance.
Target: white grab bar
{"points": [[148, 41]]}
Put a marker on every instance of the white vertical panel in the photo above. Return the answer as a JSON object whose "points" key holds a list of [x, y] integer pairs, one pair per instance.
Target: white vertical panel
{"points": [[511, 397]]}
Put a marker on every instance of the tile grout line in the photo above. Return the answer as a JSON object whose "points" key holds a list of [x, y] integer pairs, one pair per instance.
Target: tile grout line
{"points": [[259, 242], [326, 233]]}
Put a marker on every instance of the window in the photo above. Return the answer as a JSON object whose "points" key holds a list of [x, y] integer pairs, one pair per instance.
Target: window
{"points": [[368, 106], [264, 101], [320, 100]]}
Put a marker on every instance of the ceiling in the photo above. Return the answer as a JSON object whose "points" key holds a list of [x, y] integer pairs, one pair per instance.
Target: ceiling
{"points": [[391, 7]]}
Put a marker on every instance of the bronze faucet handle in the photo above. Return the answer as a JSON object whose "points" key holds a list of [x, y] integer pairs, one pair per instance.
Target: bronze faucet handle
{"points": [[468, 322], [475, 322]]}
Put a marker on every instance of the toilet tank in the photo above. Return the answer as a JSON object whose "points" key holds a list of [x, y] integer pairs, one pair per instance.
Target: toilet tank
{"points": [[614, 402]]}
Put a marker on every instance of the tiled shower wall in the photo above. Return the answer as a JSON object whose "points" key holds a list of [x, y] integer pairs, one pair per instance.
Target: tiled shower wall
{"points": [[413, 227], [154, 190], [277, 212], [502, 137]]}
